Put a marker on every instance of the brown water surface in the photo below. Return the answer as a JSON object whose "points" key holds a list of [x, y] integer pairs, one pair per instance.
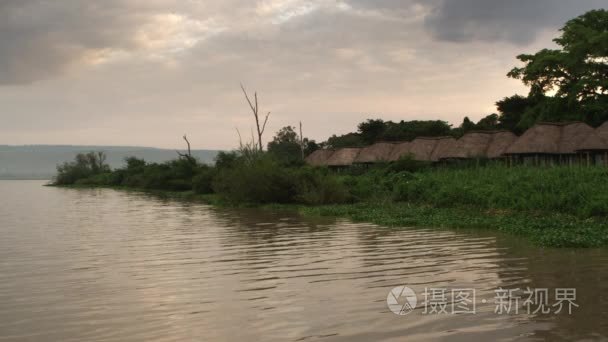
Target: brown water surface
{"points": [[106, 265]]}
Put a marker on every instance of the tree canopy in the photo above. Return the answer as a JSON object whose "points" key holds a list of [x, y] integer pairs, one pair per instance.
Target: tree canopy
{"points": [[571, 82]]}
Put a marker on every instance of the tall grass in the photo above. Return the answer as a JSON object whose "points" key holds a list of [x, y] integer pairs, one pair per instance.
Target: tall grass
{"points": [[581, 191]]}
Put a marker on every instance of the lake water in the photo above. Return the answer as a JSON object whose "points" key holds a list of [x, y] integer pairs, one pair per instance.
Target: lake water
{"points": [[105, 265]]}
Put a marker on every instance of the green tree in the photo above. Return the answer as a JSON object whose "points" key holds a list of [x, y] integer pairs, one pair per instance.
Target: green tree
{"points": [[409, 130], [467, 125], [346, 140], [285, 146], [371, 130], [576, 72], [511, 110], [84, 166], [310, 146], [488, 123]]}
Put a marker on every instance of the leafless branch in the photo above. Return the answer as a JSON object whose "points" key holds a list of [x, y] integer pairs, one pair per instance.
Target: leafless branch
{"points": [[189, 154], [255, 109], [265, 121]]}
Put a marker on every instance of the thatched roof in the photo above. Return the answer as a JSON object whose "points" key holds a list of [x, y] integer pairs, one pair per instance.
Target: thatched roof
{"points": [[551, 138], [470, 145], [597, 141], [573, 135], [480, 144], [443, 146], [602, 131], [501, 140], [400, 150], [319, 157], [421, 148], [343, 157], [376, 153]]}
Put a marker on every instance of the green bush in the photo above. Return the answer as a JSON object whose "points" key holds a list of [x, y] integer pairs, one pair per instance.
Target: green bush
{"points": [[574, 190], [85, 165], [259, 181], [317, 186], [409, 164], [202, 183], [102, 179]]}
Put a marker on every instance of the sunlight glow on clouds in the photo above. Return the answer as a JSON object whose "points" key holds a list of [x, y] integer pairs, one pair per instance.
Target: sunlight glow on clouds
{"points": [[144, 72], [174, 33]]}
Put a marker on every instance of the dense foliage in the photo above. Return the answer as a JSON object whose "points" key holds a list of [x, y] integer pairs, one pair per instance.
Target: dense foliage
{"points": [[85, 165], [557, 206], [576, 73], [266, 179], [375, 130]]}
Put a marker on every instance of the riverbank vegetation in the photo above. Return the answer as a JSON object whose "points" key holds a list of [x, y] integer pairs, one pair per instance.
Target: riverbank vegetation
{"points": [[556, 206], [562, 206]]}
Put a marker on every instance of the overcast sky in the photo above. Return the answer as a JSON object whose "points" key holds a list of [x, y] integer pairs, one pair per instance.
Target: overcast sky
{"points": [[144, 72]]}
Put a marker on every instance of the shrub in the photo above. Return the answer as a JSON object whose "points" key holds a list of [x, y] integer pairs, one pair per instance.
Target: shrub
{"points": [[260, 181], [316, 186], [83, 166], [202, 183], [409, 164]]}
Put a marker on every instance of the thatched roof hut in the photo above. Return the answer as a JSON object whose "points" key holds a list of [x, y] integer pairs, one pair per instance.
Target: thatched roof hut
{"points": [[480, 144], [501, 140], [422, 148], [471, 145], [602, 131], [551, 138], [376, 153], [573, 135], [598, 141], [443, 146], [319, 157], [343, 157], [400, 150]]}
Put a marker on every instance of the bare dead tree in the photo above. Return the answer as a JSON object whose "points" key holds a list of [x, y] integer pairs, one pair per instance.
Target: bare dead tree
{"points": [[187, 155], [254, 108]]}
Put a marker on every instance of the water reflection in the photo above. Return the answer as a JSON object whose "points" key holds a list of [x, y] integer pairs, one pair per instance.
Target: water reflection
{"points": [[119, 266]]}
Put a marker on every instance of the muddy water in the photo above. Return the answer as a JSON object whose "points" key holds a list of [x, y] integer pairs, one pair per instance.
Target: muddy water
{"points": [[105, 265]]}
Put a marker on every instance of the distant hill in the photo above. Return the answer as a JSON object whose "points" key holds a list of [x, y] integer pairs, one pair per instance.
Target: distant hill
{"points": [[40, 161]]}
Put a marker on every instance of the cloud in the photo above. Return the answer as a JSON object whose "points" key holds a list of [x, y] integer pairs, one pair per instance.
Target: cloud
{"points": [[92, 71], [514, 21], [41, 39]]}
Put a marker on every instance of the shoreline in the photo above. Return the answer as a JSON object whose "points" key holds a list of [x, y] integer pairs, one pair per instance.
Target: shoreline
{"points": [[542, 229]]}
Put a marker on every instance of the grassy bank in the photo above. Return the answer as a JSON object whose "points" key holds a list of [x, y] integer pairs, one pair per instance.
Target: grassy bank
{"points": [[558, 206], [541, 228], [550, 230]]}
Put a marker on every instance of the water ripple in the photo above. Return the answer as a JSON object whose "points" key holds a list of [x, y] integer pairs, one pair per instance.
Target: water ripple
{"points": [[104, 265]]}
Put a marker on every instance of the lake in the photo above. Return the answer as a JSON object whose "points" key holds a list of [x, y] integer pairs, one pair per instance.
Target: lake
{"points": [[107, 265]]}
